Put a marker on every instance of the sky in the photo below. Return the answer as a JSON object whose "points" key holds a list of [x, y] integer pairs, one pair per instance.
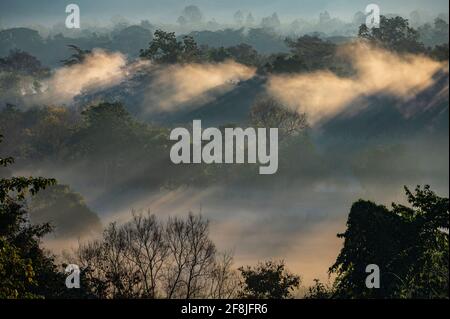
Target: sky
{"points": [[48, 12]]}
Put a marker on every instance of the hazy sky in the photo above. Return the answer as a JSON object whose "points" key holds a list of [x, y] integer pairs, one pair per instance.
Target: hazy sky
{"points": [[22, 12]]}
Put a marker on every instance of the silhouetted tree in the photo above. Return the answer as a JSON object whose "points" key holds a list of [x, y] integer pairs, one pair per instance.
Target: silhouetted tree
{"points": [[26, 270], [145, 258], [268, 280], [191, 254], [319, 291], [409, 245]]}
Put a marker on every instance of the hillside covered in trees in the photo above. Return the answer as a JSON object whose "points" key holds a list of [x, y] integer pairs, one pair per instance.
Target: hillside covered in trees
{"points": [[362, 116]]}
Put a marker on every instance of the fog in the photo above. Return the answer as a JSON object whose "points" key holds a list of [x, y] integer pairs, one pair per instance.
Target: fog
{"points": [[161, 11], [370, 133], [178, 85], [323, 94], [295, 214]]}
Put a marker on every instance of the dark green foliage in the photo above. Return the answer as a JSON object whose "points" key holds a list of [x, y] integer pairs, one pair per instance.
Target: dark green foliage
{"points": [[285, 63], [26, 270], [393, 34], [409, 244], [217, 54], [112, 151], [22, 63], [308, 53], [16, 273], [111, 139], [22, 263], [165, 48], [319, 291], [313, 51], [268, 280], [440, 52], [242, 53], [99, 143], [20, 74], [37, 133]]}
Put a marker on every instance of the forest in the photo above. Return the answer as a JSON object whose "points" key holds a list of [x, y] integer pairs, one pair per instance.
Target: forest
{"points": [[86, 176]]}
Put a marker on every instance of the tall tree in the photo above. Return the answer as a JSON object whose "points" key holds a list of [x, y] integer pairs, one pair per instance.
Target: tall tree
{"points": [[145, 258], [410, 245], [393, 34], [26, 271]]}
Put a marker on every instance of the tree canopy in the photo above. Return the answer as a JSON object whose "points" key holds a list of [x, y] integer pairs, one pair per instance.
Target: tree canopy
{"points": [[166, 48], [268, 280], [409, 244], [395, 34]]}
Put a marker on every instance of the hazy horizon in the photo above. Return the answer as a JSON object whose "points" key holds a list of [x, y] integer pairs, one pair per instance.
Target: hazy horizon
{"points": [[48, 13]]}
